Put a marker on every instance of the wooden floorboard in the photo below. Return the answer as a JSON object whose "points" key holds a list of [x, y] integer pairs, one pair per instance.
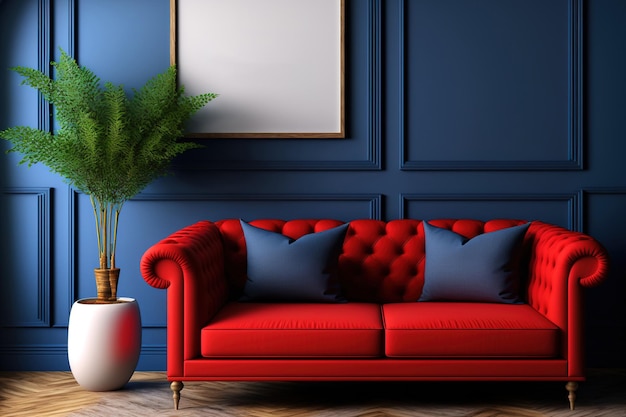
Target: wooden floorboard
{"points": [[48, 394]]}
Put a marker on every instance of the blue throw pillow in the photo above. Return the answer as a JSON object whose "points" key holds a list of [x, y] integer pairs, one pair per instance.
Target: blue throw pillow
{"points": [[283, 269], [483, 269]]}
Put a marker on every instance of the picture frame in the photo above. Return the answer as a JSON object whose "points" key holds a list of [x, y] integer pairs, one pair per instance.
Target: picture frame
{"points": [[278, 66]]}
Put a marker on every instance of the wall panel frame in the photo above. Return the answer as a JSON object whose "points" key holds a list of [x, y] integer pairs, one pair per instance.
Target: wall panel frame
{"points": [[605, 313], [571, 203], [38, 286], [146, 210], [573, 102], [373, 202]]}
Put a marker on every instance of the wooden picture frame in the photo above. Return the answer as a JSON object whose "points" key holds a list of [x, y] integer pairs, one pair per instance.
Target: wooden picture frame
{"points": [[278, 66]]}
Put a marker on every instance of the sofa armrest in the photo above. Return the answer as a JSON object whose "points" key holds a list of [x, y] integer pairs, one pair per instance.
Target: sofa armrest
{"points": [[562, 263], [190, 264]]}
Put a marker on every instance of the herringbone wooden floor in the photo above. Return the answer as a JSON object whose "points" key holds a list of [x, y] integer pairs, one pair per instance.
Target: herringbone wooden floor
{"points": [[46, 394]]}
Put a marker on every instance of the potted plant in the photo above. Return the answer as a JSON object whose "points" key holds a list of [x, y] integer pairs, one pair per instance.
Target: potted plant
{"points": [[109, 146]]}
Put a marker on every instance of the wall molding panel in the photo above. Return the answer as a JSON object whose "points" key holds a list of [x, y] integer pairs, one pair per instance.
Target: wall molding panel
{"points": [[573, 102], [604, 220], [44, 31], [569, 205], [373, 202], [155, 215], [37, 313], [590, 192], [575, 79], [71, 28], [72, 233]]}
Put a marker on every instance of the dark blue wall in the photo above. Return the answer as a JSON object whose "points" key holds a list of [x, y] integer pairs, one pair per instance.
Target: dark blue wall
{"points": [[456, 108]]}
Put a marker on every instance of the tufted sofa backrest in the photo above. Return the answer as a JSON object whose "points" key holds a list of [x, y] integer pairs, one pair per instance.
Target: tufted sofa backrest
{"points": [[381, 261]]}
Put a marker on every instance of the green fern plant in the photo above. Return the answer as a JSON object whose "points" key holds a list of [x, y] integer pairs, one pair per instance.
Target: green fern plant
{"points": [[107, 145]]}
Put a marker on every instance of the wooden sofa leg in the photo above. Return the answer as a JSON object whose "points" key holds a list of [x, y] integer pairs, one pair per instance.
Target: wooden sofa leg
{"points": [[176, 387], [571, 388]]}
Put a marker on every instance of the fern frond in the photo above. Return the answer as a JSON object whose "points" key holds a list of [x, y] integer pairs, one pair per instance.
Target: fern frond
{"points": [[151, 102], [107, 145], [33, 144], [76, 90], [118, 133], [36, 79]]}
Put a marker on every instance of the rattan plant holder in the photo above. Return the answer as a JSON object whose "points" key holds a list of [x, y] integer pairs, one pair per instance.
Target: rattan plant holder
{"points": [[106, 283]]}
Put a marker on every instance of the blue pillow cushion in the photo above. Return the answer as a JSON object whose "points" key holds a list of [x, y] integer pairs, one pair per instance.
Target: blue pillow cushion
{"points": [[482, 269], [284, 269]]}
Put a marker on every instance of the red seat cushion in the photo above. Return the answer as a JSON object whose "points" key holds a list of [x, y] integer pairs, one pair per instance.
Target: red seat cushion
{"points": [[444, 329], [298, 330]]}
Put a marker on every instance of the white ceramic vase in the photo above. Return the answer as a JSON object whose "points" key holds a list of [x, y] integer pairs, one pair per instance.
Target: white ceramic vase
{"points": [[104, 342]]}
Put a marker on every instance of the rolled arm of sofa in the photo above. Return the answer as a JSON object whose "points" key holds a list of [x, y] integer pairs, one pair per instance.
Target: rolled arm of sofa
{"points": [[559, 255], [562, 263], [190, 264], [196, 250]]}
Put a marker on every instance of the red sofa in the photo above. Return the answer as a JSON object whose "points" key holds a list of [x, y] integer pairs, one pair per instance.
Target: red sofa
{"points": [[382, 332]]}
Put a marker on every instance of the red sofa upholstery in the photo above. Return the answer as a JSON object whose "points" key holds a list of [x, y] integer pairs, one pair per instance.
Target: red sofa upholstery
{"points": [[382, 332]]}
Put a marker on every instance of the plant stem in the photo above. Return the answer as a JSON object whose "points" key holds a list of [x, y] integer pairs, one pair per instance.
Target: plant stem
{"points": [[118, 209], [107, 220], [104, 234], [97, 212]]}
